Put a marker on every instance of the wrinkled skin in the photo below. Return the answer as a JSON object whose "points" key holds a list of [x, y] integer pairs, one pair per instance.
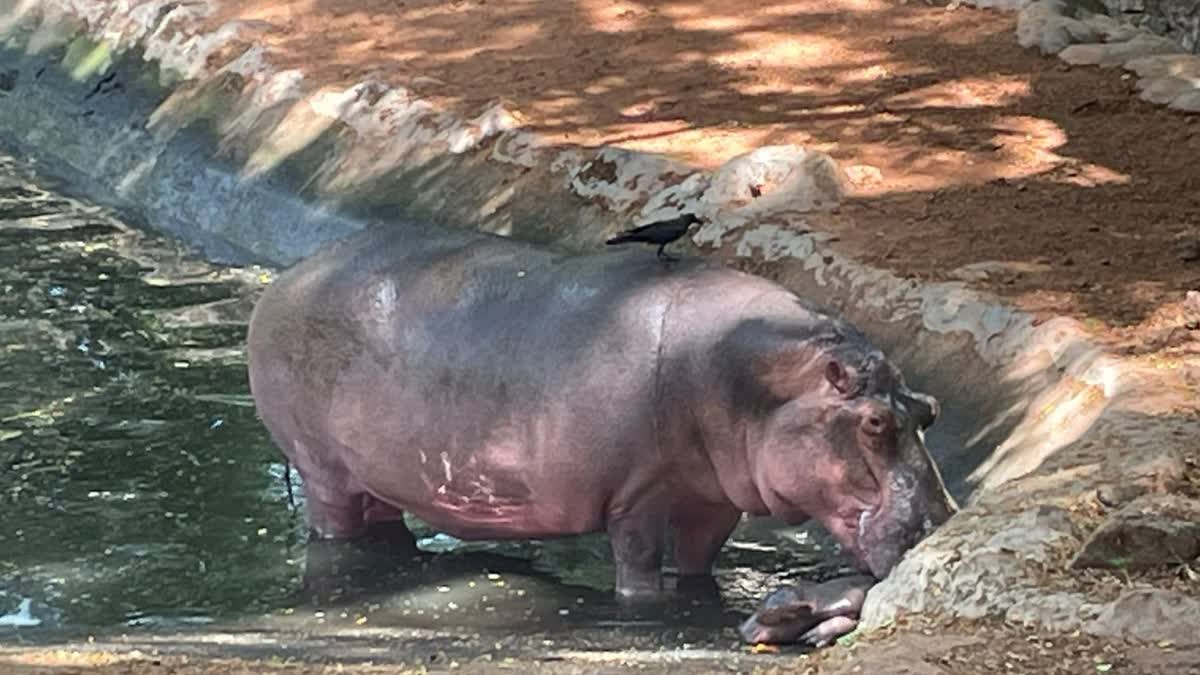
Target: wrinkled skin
{"points": [[499, 390], [807, 613]]}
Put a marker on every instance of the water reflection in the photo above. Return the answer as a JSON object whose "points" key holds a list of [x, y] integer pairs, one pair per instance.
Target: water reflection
{"points": [[139, 488], [135, 470]]}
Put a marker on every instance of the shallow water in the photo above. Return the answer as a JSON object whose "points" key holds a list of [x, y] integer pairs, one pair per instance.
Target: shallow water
{"points": [[139, 489]]}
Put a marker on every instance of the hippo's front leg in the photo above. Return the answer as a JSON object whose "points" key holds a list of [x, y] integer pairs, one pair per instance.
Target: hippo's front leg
{"points": [[699, 535], [638, 539]]}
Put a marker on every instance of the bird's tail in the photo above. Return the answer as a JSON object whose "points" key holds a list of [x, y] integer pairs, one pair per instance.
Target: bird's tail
{"points": [[619, 239]]}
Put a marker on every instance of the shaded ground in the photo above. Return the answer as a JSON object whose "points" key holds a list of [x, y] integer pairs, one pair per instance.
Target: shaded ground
{"points": [[924, 647], [963, 147]]}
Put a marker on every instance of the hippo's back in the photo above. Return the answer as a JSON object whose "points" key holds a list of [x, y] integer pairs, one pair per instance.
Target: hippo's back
{"points": [[467, 366]]}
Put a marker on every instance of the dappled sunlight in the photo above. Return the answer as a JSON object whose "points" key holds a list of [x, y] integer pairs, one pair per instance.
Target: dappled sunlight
{"points": [[12, 14], [953, 138], [729, 16], [1054, 419], [64, 658], [304, 123], [874, 84], [992, 92], [593, 73], [1049, 395], [85, 59], [776, 49]]}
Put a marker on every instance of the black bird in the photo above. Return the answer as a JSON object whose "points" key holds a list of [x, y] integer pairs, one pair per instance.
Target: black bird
{"points": [[661, 232]]}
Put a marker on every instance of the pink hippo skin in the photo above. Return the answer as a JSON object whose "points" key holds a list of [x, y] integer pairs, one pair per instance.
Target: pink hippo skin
{"points": [[808, 613], [496, 389]]}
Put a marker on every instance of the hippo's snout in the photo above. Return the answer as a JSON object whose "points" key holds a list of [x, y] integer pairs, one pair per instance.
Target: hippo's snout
{"points": [[885, 541], [753, 632], [915, 502]]}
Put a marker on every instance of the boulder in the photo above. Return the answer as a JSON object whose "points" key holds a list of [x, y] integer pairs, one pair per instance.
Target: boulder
{"points": [[1151, 614], [1151, 531]]}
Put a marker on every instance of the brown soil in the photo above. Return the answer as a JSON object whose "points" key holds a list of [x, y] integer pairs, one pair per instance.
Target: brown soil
{"points": [[963, 147], [913, 646]]}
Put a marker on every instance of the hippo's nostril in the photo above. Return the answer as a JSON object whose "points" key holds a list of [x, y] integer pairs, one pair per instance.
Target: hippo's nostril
{"points": [[873, 424]]}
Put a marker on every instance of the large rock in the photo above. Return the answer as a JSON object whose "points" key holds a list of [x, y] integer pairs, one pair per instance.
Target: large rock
{"points": [[1189, 102], [1151, 614], [1043, 25], [1166, 65], [1178, 20], [783, 177], [1167, 78], [977, 566], [1053, 25], [1151, 531], [1056, 612], [1164, 89], [1113, 54]]}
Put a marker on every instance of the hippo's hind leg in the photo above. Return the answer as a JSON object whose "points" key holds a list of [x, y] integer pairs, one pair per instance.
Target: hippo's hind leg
{"points": [[337, 509], [359, 516], [351, 538], [333, 515], [386, 528]]}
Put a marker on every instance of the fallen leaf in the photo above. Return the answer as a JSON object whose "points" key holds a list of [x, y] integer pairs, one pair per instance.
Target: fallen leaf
{"points": [[762, 648]]}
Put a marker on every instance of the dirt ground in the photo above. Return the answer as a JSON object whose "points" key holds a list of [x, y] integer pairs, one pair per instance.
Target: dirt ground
{"points": [[920, 647], [963, 147]]}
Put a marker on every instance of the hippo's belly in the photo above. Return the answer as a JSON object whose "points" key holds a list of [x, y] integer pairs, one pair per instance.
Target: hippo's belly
{"points": [[490, 465], [485, 499]]}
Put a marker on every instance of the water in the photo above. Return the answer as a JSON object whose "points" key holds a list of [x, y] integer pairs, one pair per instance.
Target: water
{"points": [[136, 478], [138, 488]]}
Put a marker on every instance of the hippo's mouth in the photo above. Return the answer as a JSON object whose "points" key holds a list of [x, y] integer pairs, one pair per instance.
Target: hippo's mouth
{"points": [[848, 525]]}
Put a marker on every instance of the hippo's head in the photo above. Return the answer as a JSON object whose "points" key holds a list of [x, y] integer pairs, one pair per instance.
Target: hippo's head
{"points": [[838, 437], [813, 614]]}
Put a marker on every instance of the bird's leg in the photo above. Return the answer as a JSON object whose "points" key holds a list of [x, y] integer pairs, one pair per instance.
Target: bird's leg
{"points": [[664, 256]]}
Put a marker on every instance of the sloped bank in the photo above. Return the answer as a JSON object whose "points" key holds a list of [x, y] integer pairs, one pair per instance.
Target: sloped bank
{"points": [[198, 134], [1156, 41]]}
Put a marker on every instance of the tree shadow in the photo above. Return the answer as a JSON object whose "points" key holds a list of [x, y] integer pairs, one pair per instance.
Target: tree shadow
{"points": [[986, 151]]}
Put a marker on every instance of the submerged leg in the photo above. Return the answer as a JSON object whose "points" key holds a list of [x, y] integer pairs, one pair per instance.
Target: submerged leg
{"points": [[351, 539], [638, 540], [386, 530], [699, 535]]}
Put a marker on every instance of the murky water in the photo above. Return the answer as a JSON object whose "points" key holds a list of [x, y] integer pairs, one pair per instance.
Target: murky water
{"points": [[137, 487]]}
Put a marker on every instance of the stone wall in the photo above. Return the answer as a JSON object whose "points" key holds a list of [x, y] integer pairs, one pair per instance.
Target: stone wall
{"points": [[1178, 20]]}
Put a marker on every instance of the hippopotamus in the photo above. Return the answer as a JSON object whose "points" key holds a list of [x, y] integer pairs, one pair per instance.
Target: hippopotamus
{"points": [[808, 613], [496, 389]]}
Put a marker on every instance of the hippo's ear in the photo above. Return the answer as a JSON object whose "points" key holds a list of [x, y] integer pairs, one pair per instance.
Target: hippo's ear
{"points": [[836, 373]]}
